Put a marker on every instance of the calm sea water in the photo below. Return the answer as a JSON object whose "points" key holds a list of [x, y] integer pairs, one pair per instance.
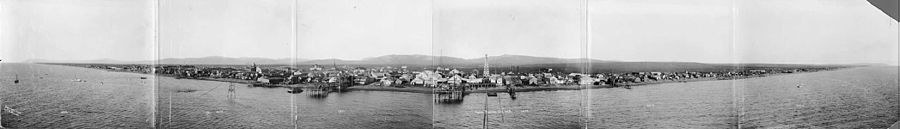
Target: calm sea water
{"points": [[848, 98], [48, 98]]}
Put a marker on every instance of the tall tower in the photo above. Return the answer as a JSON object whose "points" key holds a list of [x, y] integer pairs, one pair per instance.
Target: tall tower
{"points": [[487, 72]]}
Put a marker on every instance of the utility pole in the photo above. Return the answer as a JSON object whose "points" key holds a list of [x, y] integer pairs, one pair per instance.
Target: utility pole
{"points": [[294, 111], [1, 112], [485, 111]]}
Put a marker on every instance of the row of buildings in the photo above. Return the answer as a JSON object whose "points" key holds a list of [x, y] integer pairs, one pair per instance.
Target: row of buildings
{"points": [[429, 77]]}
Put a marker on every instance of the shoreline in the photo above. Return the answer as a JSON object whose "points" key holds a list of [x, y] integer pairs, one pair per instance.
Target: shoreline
{"points": [[425, 90]]}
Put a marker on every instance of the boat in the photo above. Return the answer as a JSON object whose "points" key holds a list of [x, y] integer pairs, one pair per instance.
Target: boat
{"points": [[78, 80], [492, 94], [295, 90], [257, 84], [17, 79], [143, 77], [11, 111], [511, 92]]}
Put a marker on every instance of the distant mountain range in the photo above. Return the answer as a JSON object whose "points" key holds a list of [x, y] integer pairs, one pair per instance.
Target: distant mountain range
{"points": [[427, 60], [222, 60], [216, 60]]}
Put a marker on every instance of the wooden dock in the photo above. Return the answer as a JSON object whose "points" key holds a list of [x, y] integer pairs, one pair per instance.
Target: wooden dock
{"points": [[449, 94], [318, 92]]}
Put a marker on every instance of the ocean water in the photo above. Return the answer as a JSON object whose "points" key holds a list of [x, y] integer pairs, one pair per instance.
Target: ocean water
{"points": [[210, 107], [47, 97], [847, 98], [864, 97]]}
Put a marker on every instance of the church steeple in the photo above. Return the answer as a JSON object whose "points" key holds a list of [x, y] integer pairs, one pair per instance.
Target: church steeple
{"points": [[256, 68]]}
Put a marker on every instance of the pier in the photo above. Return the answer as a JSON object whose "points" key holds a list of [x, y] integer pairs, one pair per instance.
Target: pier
{"points": [[319, 91], [449, 94], [322, 89]]}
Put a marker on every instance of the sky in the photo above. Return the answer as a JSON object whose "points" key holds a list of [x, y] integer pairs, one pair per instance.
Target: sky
{"points": [[473, 28], [228, 28], [709, 31], [357, 29], [75, 29], [661, 30], [823, 32]]}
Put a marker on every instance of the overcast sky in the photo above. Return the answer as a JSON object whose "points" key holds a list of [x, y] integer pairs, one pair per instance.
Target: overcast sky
{"points": [[712, 31], [75, 29], [356, 29], [662, 30], [229, 28], [472, 28]]}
